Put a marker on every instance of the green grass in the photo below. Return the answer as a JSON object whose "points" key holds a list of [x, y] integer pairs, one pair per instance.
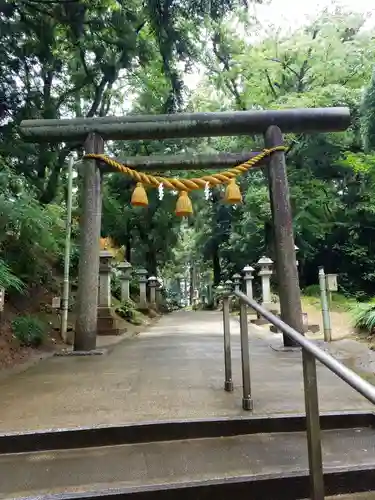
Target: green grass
{"points": [[362, 313], [339, 302]]}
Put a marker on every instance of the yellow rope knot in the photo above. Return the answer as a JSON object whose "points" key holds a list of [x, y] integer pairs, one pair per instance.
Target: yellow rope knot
{"points": [[184, 206]]}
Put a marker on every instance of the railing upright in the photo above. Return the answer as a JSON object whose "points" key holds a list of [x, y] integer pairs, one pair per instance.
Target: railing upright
{"points": [[228, 383], [247, 402], [314, 444]]}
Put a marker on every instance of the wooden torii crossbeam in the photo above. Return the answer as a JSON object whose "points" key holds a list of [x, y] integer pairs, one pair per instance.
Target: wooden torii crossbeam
{"points": [[270, 123]]}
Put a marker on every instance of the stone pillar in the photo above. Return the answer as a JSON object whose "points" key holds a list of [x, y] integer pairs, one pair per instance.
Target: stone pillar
{"points": [[248, 278], [88, 273], [265, 273], [105, 269], [286, 268], [142, 280], [152, 283], [126, 269]]}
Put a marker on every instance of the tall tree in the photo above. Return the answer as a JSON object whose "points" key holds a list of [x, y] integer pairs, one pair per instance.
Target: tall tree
{"points": [[322, 64], [62, 58]]}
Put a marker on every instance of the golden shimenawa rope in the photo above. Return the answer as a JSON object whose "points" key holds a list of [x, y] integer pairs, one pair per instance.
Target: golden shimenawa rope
{"points": [[185, 184]]}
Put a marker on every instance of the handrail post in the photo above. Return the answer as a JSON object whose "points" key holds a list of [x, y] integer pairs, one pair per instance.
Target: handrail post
{"points": [[228, 383], [247, 402], [314, 445]]}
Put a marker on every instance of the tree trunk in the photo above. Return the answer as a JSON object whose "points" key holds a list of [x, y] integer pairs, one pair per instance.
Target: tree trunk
{"points": [[216, 266], [151, 264]]}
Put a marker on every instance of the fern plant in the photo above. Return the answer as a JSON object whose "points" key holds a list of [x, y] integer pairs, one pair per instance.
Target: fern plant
{"points": [[364, 316], [8, 280]]}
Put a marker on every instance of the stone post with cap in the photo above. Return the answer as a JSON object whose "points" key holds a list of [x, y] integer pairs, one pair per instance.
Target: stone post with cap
{"points": [[265, 273], [248, 278]]}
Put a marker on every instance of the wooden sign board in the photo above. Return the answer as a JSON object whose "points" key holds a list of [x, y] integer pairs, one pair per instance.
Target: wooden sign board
{"points": [[56, 302], [331, 280]]}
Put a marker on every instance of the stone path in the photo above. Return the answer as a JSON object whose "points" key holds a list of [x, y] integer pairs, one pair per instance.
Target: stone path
{"points": [[174, 370]]}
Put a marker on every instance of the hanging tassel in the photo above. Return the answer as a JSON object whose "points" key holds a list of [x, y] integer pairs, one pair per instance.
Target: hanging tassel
{"points": [[233, 193], [183, 205], [139, 196]]}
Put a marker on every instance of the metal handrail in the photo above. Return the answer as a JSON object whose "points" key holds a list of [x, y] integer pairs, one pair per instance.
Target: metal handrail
{"points": [[310, 353], [349, 376]]}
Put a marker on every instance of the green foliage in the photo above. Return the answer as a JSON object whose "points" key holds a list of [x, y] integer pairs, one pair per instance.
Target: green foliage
{"points": [[363, 315], [128, 311], [368, 115], [312, 291], [331, 176], [8, 280], [79, 58], [29, 330], [32, 235]]}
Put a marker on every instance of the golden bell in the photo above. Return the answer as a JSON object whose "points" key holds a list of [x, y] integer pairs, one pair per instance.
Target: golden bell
{"points": [[183, 205], [233, 193], [139, 196]]}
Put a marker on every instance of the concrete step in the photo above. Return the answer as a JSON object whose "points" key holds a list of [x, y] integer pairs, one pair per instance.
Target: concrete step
{"points": [[367, 495], [254, 466]]}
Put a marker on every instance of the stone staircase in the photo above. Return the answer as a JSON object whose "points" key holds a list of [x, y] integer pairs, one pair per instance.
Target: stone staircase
{"points": [[263, 457]]}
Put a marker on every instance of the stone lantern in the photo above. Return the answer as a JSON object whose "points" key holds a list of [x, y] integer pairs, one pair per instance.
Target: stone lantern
{"points": [[248, 278], [265, 273], [106, 321], [125, 269], [237, 282], [142, 280], [228, 285], [105, 268], [153, 283]]}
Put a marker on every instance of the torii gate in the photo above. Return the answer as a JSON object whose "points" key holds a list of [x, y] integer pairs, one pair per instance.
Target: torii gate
{"points": [[94, 131]]}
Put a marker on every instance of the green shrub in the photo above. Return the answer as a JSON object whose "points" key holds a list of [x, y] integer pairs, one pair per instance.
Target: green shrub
{"points": [[29, 330], [127, 310], [363, 315], [116, 286], [311, 291]]}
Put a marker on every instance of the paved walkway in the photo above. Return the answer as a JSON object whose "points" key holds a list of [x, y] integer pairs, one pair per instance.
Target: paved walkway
{"points": [[175, 370]]}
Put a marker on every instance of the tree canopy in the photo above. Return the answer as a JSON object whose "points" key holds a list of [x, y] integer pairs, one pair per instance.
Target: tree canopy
{"points": [[94, 58]]}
